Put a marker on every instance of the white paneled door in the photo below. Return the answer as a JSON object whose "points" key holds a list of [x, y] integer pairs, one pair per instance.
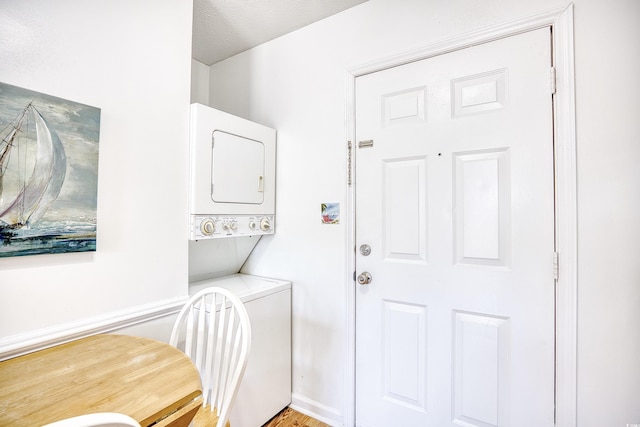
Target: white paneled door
{"points": [[455, 226]]}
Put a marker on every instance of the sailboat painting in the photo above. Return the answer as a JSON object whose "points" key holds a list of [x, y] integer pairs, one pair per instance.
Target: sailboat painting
{"points": [[48, 173]]}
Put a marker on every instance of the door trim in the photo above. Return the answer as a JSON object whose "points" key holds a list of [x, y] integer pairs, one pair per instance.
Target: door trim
{"points": [[561, 23]]}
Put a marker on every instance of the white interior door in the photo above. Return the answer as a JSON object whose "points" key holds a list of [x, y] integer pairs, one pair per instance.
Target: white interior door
{"points": [[455, 198]]}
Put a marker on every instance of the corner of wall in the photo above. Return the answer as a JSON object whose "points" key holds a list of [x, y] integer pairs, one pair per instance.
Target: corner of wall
{"points": [[199, 82]]}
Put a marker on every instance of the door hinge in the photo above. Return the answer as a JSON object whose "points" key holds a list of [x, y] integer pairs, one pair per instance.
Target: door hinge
{"points": [[553, 80], [555, 265], [366, 143], [349, 163]]}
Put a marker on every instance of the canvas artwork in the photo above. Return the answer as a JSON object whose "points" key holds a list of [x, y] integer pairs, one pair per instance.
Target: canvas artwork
{"points": [[48, 173]]}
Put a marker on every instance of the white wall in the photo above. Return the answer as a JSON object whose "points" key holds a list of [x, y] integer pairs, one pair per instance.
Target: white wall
{"points": [[297, 84], [131, 59]]}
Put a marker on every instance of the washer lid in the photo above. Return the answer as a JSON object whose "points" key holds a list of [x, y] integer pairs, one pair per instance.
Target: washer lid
{"points": [[245, 286]]}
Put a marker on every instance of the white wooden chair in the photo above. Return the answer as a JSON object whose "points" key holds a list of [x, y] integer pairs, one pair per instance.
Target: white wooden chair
{"points": [[213, 329], [98, 419]]}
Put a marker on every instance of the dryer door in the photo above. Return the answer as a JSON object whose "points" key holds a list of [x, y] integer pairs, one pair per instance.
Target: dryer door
{"points": [[237, 173]]}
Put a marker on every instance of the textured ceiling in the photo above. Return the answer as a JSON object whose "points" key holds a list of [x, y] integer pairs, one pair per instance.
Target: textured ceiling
{"points": [[223, 28]]}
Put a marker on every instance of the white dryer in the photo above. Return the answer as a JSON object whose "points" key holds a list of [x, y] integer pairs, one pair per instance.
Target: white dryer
{"points": [[266, 386], [233, 174]]}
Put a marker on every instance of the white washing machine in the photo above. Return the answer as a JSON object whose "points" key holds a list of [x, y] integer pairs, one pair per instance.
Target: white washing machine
{"points": [[266, 386]]}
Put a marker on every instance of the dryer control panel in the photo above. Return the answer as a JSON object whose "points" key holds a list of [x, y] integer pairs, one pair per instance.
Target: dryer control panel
{"points": [[212, 226]]}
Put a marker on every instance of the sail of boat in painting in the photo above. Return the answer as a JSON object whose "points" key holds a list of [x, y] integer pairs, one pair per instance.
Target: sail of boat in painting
{"points": [[48, 173], [44, 183]]}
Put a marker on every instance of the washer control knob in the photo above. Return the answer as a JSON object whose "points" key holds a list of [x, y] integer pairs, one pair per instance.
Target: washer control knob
{"points": [[252, 225], [230, 225], [207, 226], [265, 224]]}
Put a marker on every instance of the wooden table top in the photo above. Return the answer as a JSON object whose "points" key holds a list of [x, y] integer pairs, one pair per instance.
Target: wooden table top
{"points": [[139, 377]]}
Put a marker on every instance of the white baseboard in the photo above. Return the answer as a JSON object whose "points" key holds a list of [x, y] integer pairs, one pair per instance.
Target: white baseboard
{"points": [[17, 345], [316, 410]]}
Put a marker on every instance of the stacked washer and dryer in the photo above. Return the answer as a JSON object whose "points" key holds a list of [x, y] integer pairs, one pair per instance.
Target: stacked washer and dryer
{"points": [[232, 205]]}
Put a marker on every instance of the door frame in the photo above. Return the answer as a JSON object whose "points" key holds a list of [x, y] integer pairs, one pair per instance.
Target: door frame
{"points": [[564, 135]]}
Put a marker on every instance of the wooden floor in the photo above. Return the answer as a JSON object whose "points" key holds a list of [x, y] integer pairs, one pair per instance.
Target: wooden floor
{"points": [[290, 418]]}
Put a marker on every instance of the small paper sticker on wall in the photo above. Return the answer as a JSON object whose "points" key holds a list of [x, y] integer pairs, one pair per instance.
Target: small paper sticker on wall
{"points": [[330, 213]]}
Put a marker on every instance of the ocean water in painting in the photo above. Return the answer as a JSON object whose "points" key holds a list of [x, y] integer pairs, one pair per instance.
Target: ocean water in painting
{"points": [[48, 173], [49, 237]]}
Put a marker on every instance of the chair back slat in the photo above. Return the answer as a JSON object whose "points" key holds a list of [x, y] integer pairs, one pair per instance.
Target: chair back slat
{"points": [[218, 367], [189, 332], [213, 329], [226, 361], [210, 351], [202, 313]]}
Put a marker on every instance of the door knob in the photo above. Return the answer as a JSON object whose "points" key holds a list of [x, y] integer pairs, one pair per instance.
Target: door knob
{"points": [[364, 278]]}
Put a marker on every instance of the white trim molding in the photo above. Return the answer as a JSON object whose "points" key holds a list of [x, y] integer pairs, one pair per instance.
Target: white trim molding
{"points": [[561, 23], [17, 345], [566, 221], [316, 410], [349, 405]]}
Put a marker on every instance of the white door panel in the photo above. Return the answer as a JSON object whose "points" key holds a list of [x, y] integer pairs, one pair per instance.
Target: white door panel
{"points": [[455, 198]]}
